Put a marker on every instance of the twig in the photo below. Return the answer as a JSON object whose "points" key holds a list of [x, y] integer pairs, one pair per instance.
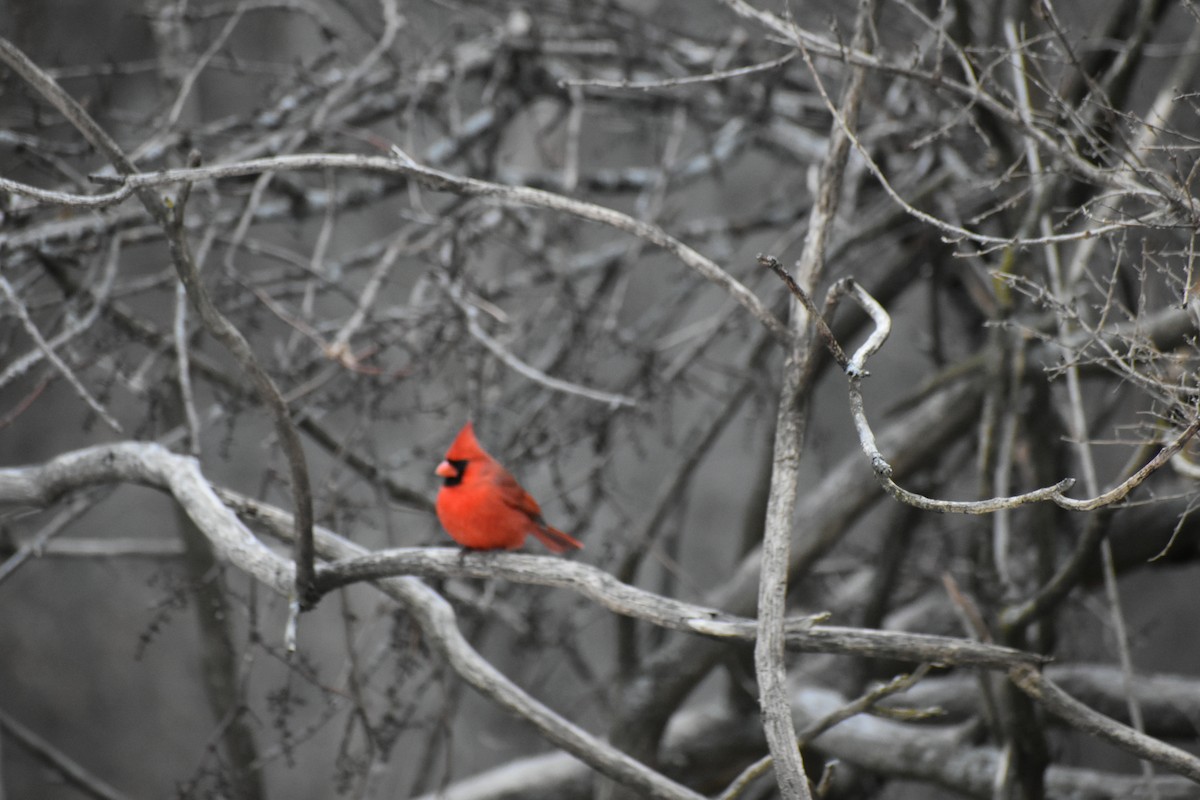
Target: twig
{"points": [[189, 80], [1128, 180], [814, 313], [71, 770], [570, 168], [855, 368], [31, 328], [98, 298], [38, 542], [717, 75], [471, 313], [1092, 722], [1121, 490], [392, 23], [956, 232], [186, 395], [511, 195], [339, 348], [814, 729], [25, 403]]}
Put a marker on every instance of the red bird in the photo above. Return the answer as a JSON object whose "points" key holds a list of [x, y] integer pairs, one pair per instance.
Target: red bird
{"points": [[483, 507]]}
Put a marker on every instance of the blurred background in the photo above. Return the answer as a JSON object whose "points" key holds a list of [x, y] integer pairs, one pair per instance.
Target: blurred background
{"points": [[1033, 244]]}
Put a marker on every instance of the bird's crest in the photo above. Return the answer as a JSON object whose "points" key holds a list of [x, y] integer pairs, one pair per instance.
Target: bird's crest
{"points": [[465, 446]]}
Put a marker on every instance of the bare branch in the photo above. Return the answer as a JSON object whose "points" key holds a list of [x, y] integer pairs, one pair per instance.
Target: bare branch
{"points": [[1122, 490], [471, 313], [228, 335], [513, 195], [10, 294], [172, 224], [1062, 705], [855, 707], [621, 598], [438, 621], [719, 75], [149, 464], [855, 368], [71, 770]]}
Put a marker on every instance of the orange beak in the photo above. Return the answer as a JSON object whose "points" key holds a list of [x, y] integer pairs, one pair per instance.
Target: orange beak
{"points": [[446, 470]]}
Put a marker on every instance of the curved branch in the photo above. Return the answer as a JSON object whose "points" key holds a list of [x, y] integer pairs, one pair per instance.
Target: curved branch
{"points": [[439, 623], [150, 464], [153, 465], [611, 399], [473, 187]]}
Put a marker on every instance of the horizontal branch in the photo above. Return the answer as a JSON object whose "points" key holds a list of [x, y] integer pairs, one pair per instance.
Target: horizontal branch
{"points": [[471, 187], [151, 464], [93, 548], [667, 612]]}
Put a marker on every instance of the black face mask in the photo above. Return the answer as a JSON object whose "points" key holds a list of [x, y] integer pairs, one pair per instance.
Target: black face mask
{"points": [[460, 469]]}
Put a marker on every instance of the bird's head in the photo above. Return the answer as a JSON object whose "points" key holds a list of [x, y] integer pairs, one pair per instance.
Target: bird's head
{"points": [[462, 452]]}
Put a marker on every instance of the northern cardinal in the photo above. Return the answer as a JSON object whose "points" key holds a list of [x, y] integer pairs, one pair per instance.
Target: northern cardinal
{"points": [[483, 507]]}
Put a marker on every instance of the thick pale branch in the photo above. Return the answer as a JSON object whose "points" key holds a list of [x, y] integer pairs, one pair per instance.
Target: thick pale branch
{"points": [[815, 728], [621, 598], [152, 465], [438, 621], [149, 464], [935, 754]]}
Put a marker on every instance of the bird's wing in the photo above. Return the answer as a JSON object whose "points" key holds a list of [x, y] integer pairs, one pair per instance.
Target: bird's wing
{"points": [[516, 497]]}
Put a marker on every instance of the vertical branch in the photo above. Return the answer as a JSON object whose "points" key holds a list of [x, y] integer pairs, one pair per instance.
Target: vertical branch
{"points": [[233, 340], [769, 667], [171, 221], [183, 359], [1075, 415]]}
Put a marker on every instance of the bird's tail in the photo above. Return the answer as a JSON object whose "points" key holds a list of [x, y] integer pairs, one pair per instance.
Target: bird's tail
{"points": [[555, 540]]}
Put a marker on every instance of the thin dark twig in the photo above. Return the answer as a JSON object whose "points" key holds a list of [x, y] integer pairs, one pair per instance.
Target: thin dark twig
{"points": [[171, 221], [71, 770], [814, 313]]}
